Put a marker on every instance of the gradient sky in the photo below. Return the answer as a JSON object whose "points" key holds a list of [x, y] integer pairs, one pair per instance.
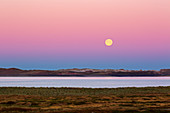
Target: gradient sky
{"points": [[56, 34]]}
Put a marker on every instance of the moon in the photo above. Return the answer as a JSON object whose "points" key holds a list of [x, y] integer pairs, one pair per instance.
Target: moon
{"points": [[108, 42]]}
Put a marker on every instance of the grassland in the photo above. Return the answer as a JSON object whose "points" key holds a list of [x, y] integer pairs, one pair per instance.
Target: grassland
{"points": [[84, 100]]}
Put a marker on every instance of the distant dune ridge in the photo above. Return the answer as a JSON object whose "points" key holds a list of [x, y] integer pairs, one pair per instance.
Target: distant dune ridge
{"points": [[83, 72]]}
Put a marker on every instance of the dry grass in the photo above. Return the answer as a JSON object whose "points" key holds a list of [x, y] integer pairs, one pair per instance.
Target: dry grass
{"points": [[85, 100]]}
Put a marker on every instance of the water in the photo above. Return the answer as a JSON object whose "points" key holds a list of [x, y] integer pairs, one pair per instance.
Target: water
{"points": [[88, 82]]}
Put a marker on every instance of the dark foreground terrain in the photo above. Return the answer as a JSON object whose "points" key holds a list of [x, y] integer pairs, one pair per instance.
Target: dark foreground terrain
{"points": [[84, 100]]}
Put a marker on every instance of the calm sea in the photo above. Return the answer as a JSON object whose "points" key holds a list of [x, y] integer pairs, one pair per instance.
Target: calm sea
{"points": [[88, 82]]}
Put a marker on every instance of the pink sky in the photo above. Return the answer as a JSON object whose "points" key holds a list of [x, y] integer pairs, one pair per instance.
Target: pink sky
{"points": [[58, 29]]}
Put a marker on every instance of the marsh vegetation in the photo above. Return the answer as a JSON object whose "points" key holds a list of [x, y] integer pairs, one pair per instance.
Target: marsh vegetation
{"points": [[84, 100]]}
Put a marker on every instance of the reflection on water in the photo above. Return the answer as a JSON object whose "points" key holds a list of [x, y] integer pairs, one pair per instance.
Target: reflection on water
{"points": [[92, 82]]}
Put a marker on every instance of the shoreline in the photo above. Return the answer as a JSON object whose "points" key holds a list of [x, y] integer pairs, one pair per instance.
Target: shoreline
{"points": [[85, 87], [90, 76]]}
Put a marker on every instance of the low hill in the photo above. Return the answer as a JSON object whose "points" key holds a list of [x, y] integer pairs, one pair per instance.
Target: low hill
{"points": [[83, 72]]}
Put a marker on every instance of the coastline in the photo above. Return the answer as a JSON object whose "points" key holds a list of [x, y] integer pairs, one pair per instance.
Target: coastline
{"points": [[87, 76]]}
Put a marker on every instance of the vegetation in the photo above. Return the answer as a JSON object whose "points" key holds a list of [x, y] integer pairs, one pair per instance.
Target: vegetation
{"points": [[84, 100]]}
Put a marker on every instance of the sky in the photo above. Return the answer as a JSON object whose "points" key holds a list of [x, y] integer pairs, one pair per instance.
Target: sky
{"points": [[61, 34]]}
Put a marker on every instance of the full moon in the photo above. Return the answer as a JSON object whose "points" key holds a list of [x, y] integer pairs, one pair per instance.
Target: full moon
{"points": [[108, 42]]}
